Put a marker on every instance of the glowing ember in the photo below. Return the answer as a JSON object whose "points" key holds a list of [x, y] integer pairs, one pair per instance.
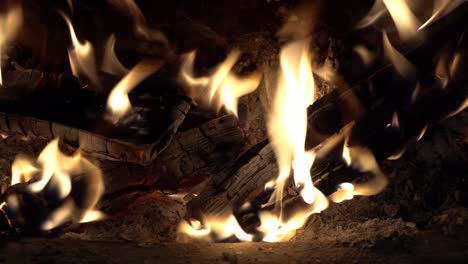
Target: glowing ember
{"points": [[222, 88], [56, 171], [118, 103], [9, 26]]}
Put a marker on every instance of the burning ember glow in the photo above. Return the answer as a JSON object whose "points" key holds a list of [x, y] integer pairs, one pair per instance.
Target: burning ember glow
{"points": [[55, 174], [9, 25], [223, 87]]}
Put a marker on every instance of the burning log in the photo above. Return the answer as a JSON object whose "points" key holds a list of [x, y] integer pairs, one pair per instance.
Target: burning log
{"points": [[385, 133]]}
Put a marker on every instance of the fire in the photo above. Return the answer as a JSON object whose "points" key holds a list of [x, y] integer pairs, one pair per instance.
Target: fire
{"points": [[405, 21], [223, 87], [401, 64], [287, 130], [81, 56], [441, 8], [219, 227], [55, 171], [287, 125], [118, 102], [9, 26], [110, 63], [140, 25]]}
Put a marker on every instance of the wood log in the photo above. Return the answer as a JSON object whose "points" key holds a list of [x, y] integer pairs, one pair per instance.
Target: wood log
{"points": [[192, 156], [91, 143]]}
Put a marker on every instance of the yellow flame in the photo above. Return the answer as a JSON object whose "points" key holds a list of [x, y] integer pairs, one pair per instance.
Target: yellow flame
{"points": [[395, 121], [363, 160], [140, 25], [223, 87], [460, 109], [287, 125], [222, 227], [118, 102], [441, 9], [345, 192], [110, 63], [364, 53], [401, 64], [283, 226], [22, 170], [56, 170], [374, 14], [9, 26], [405, 21], [81, 56]]}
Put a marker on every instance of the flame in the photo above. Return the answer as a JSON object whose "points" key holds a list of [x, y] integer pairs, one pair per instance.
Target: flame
{"points": [[140, 25], [22, 170], [374, 14], [9, 26], [221, 227], [345, 192], [81, 56], [70, 5], [223, 87], [118, 102], [56, 170], [460, 109], [287, 124], [363, 160], [401, 64], [441, 9], [405, 21], [287, 129], [111, 64], [364, 53], [395, 121]]}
